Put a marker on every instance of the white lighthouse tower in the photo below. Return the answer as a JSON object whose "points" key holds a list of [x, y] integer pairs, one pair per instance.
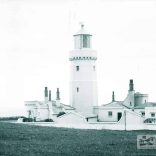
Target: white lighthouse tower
{"points": [[83, 84]]}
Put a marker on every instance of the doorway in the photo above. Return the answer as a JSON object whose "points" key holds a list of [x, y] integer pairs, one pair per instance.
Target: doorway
{"points": [[119, 115]]}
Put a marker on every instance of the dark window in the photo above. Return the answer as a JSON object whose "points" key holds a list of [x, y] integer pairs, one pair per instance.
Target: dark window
{"points": [[85, 41], [93, 68], [142, 113], [152, 114], [77, 68], [77, 89], [110, 114], [145, 101]]}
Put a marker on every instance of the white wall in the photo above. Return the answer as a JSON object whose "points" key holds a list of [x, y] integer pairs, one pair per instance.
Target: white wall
{"points": [[85, 80], [38, 111], [103, 114], [129, 99], [133, 120], [130, 121], [90, 120], [138, 111], [70, 119], [148, 111], [42, 113], [31, 107]]}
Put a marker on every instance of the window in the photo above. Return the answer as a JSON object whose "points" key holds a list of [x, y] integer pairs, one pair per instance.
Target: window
{"points": [[85, 45], [130, 103], [77, 68], [86, 41], [93, 68], [142, 113], [152, 114], [110, 114], [77, 89]]}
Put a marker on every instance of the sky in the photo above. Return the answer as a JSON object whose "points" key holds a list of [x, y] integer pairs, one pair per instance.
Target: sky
{"points": [[37, 35]]}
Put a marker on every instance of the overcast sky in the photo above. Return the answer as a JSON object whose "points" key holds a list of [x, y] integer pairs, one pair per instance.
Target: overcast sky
{"points": [[36, 37]]}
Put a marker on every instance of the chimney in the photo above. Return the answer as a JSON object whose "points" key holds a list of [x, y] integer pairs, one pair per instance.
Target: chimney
{"points": [[49, 95], [57, 94], [58, 98], [131, 85], [46, 94], [113, 97]]}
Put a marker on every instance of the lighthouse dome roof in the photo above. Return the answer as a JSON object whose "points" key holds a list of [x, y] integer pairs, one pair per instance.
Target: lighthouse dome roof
{"points": [[82, 31]]}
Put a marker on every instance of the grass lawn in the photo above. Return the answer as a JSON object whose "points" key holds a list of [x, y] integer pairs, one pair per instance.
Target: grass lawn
{"points": [[26, 140]]}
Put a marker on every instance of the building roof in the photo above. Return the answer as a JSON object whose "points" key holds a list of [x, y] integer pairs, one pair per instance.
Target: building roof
{"points": [[83, 115], [148, 104], [67, 107], [43, 104], [87, 115], [114, 104], [70, 113], [138, 94], [82, 31], [119, 104]]}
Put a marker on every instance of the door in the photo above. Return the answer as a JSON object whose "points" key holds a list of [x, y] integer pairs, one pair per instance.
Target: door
{"points": [[119, 115]]}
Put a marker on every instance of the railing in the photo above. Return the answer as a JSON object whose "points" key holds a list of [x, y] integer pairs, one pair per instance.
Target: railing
{"points": [[82, 58]]}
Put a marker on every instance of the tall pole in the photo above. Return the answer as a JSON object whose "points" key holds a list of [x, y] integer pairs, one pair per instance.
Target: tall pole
{"points": [[125, 118]]}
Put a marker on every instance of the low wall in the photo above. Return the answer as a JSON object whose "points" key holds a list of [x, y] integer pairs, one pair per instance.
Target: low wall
{"points": [[129, 121], [97, 126]]}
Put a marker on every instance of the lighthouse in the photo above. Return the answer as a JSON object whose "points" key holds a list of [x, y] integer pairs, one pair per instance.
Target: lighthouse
{"points": [[83, 82]]}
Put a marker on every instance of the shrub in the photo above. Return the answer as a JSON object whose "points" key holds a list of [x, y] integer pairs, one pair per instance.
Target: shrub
{"points": [[150, 120], [28, 120], [48, 120], [10, 118], [60, 113]]}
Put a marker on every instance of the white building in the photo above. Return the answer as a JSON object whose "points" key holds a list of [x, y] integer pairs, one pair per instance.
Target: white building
{"points": [[150, 111], [47, 109], [135, 102], [83, 105], [83, 84]]}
